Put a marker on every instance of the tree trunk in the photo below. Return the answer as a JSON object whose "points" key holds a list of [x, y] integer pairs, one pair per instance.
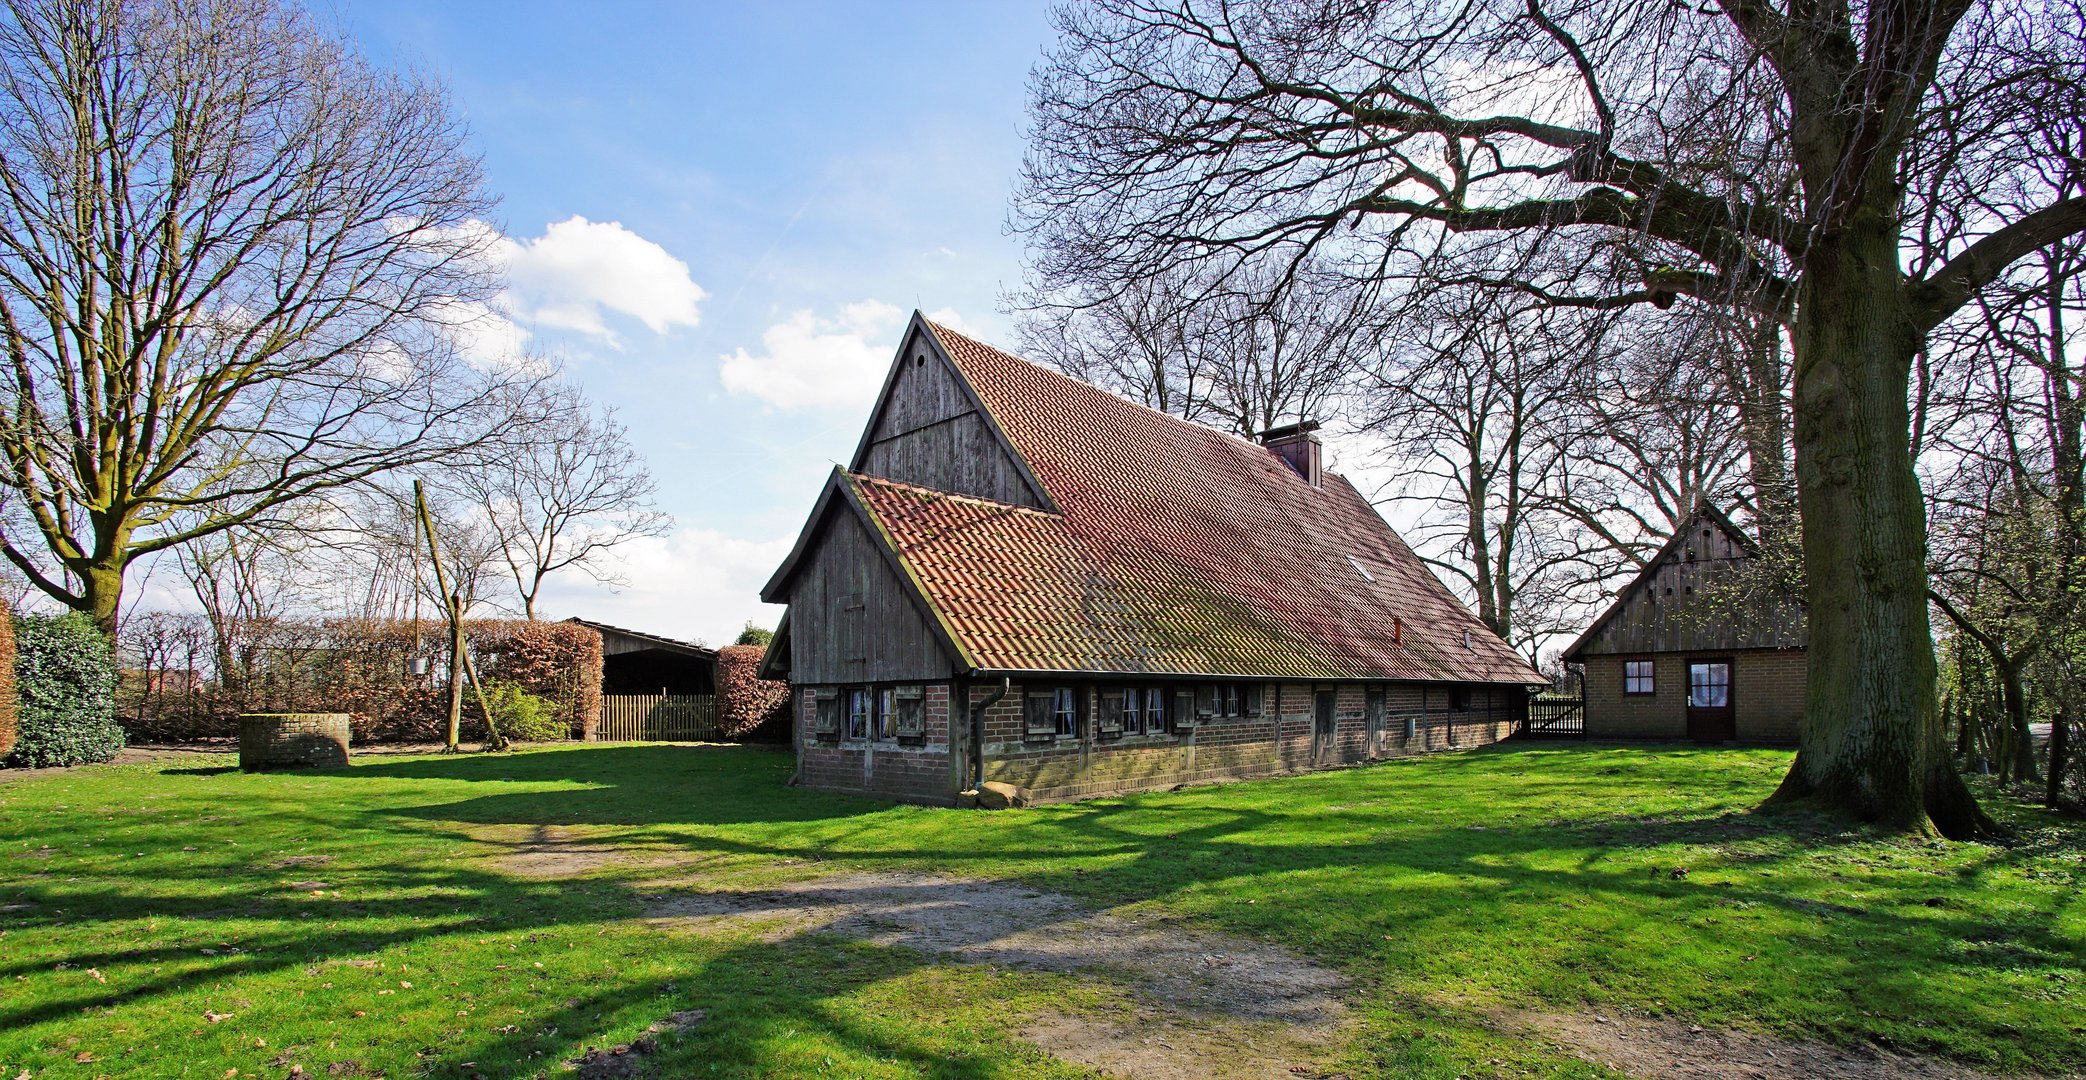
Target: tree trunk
{"points": [[2060, 738], [2015, 697], [1765, 423], [1870, 743], [101, 595]]}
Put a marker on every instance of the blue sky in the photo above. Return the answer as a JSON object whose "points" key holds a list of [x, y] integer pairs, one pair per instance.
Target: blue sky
{"points": [[764, 192]]}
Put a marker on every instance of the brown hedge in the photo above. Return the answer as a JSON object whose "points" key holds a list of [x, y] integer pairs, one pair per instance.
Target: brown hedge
{"points": [[748, 705], [10, 726], [357, 666]]}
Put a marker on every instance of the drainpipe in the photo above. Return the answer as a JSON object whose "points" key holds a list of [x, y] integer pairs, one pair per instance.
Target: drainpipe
{"points": [[978, 731]]}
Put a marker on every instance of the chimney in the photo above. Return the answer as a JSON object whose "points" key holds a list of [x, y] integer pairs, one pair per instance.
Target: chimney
{"points": [[1298, 447]]}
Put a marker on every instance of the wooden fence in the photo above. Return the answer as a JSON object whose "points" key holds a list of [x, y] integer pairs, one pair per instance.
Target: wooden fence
{"points": [[1556, 718], [657, 718]]}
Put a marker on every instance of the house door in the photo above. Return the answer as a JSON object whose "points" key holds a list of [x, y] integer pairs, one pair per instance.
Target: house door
{"points": [[1711, 717], [1322, 729]]}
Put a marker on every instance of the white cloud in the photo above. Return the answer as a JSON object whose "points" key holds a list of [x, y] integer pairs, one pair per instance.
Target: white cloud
{"points": [[486, 334], [952, 319], [578, 270], [813, 362], [576, 277], [693, 584]]}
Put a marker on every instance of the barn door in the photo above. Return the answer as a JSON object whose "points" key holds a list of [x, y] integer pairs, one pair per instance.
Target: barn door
{"points": [[1322, 728], [1711, 717]]}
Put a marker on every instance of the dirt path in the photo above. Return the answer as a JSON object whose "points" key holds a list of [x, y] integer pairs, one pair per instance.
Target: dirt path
{"points": [[1219, 1007], [1665, 1047], [1224, 1007]]}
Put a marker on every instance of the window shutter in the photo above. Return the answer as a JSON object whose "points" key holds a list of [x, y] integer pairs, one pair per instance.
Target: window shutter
{"points": [[1249, 699], [1183, 717], [1206, 700], [1111, 712], [1037, 718], [912, 712], [826, 714]]}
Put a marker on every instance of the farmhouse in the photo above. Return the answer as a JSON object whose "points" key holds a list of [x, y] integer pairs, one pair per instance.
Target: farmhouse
{"points": [[1695, 648], [1022, 578]]}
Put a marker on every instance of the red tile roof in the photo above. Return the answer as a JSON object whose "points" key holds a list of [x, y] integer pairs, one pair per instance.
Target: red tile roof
{"points": [[1179, 549]]}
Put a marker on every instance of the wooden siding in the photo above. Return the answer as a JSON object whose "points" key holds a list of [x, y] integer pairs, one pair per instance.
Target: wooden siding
{"points": [[931, 433], [657, 718], [850, 618], [1686, 602]]}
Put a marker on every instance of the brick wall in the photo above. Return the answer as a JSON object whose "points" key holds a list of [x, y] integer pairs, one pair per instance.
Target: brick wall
{"points": [[1767, 690], [1282, 739], [1772, 685], [913, 770]]}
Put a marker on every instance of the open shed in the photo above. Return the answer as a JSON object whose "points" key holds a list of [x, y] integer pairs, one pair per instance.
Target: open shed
{"points": [[634, 662]]}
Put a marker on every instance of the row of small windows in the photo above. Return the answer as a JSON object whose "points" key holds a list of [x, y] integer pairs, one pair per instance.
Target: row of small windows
{"points": [[1059, 712], [875, 713], [897, 713]]}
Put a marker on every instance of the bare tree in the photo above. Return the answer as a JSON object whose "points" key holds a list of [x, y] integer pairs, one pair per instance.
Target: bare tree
{"points": [[233, 260], [1133, 340], [1650, 431], [1467, 395], [242, 579], [1755, 154], [565, 498], [1244, 349]]}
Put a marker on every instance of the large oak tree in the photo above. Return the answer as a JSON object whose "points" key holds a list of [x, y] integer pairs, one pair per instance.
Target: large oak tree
{"points": [[1754, 153]]}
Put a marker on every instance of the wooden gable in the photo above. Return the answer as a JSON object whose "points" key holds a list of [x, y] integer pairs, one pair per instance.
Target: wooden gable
{"points": [[929, 429], [1694, 596], [852, 618]]}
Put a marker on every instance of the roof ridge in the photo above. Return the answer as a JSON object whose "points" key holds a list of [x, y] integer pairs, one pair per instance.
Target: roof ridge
{"points": [[1046, 369]]}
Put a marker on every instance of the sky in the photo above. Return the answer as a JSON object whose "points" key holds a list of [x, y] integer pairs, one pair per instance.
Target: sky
{"points": [[717, 217]]}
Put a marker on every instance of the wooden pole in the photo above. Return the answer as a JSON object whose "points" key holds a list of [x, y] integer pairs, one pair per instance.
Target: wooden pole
{"points": [[456, 670], [460, 666]]}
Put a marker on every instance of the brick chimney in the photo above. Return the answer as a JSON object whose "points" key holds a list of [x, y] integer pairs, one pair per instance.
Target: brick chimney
{"points": [[1298, 447]]}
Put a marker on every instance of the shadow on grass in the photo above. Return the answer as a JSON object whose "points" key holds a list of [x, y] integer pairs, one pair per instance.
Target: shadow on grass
{"points": [[1548, 869], [1537, 874]]}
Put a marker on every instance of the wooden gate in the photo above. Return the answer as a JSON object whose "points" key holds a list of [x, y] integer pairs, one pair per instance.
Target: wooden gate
{"points": [[657, 718], [1556, 718]]}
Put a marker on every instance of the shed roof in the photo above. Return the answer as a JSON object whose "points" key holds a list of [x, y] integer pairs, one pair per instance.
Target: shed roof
{"points": [[650, 641], [1172, 548]]}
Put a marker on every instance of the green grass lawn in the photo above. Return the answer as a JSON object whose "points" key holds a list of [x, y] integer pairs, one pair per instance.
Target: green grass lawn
{"points": [[185, 921]]}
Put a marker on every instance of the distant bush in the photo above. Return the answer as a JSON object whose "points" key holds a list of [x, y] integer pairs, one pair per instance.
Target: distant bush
{"points": [[65, 677], [522, 716], [755, 635]]}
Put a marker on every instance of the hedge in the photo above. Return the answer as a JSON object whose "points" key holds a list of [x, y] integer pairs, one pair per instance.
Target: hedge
{"points": [[748, 705], [356, 666], [9, 726], [65, 678]]}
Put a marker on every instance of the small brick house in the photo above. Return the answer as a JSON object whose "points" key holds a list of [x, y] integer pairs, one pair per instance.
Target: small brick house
{"points": [[1694, 649], [1022, 578]]}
